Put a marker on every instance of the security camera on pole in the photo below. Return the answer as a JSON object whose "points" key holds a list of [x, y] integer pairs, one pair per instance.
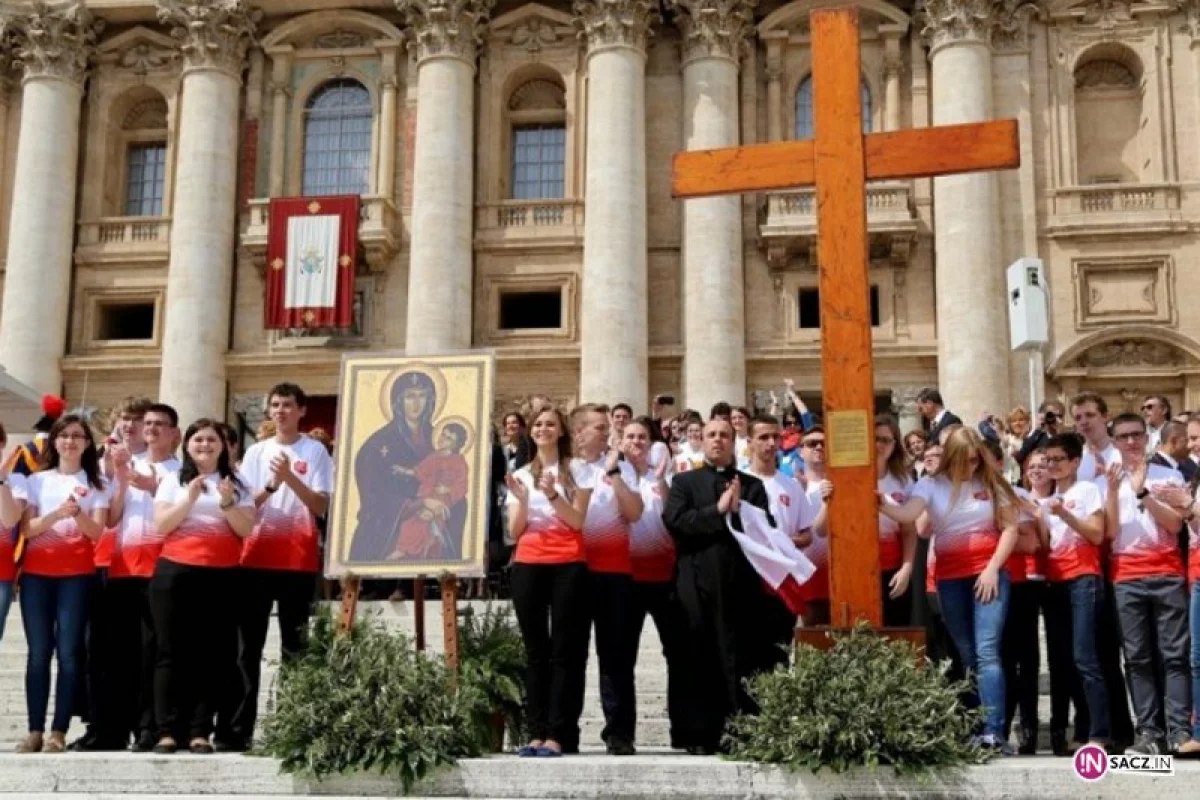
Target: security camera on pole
{"points": [[1028, 318]]}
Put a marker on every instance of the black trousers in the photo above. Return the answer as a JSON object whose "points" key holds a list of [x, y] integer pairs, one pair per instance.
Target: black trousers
{"points": [[897, 612], [1108, 643], [610, 609], [194, 625], [130, 709], [293, 592], [1021, 655], [92, 694], [551, 604], [657, 600]]}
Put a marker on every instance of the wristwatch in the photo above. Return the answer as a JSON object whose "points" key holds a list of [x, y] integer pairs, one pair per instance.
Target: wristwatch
{"points": [[225, 505], [614, 472], [1143, 493], [269, 489]]}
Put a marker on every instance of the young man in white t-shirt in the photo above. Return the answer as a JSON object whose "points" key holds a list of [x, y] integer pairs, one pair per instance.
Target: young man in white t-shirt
{"points": [[291, 476], [1090, 412]]}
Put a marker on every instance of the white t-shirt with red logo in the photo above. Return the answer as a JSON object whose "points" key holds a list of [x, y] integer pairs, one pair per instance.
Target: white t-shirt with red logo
{"points": [[962, 526], [1072, 556], [137, 543], [8, 536], [1141, 548], [1093, 465], [546, 538], [651, 548], [894, 491], [205, 537], [286, 535], [788, 503], [63, 550], [605, 531]]}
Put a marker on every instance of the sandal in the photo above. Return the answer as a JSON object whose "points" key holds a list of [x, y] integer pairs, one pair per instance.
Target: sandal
{"points": [[30, 744], [56, 742], [166, 746], [200, 747]]}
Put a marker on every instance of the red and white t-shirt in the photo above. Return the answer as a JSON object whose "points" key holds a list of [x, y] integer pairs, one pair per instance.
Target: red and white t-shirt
{"points": [[204, 538], [8, 536], [546, 538], [817, 587], [1141, 548], [1035, 563], [605, 531], [137, 543], [1193, 570], [63, 550], [1071, 556], [1094, 463], [894, 491], [286, 534], [651, 548], [962, 526]]}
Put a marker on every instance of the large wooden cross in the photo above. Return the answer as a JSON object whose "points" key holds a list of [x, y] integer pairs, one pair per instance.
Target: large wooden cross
{"points": [[839, 162]]}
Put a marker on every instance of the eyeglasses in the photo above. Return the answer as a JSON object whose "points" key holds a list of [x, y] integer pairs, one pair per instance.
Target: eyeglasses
{"points": [[1053, 460], [1149, 407], [815, 444]]}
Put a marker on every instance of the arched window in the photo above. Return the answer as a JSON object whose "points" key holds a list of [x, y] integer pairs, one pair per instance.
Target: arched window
{"points": [[337, 140], [537, 112], [804, 108], [1108, 116]]}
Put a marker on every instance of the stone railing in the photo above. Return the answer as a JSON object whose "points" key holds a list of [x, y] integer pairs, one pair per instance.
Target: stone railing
{"points": [[528, 221], [116, 238], [1115, 208], [378, 230]]}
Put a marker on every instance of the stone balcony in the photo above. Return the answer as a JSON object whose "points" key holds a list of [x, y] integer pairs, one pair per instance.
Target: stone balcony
{"points": [[788, 229], [124, 240], [1112, 209], [523, 223], [378, 231]]}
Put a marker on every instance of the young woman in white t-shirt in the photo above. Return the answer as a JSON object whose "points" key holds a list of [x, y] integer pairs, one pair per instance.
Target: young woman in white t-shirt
{"points": [[897, 542], [547, 502], [973, 522], [66, 505]]}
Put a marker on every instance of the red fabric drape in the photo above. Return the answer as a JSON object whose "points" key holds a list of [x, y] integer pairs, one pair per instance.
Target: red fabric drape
{"points": [[340, 315]]}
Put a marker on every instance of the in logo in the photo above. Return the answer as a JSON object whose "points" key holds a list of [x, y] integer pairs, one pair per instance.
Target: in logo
{"points": [[1091, 762]]}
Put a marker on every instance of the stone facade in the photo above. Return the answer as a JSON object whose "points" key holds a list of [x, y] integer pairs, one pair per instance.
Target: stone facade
{"points": [[703, 300]]}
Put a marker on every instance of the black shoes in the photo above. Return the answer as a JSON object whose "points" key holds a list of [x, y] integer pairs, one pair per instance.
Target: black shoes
{"points": [[230, 744], [1147, 745], [144, 743], [620, 746], [1027, 742], [93, 743]]}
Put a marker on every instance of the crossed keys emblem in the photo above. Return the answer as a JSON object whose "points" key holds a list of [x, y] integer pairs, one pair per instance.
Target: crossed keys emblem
{"points": [[312, 261]]}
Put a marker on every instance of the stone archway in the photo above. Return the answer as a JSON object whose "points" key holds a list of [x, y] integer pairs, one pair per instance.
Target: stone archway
{"points": [[1126, 364]]}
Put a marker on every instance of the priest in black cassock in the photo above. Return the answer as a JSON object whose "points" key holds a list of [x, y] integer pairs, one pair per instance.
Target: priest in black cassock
{"points": [[723, 600]]}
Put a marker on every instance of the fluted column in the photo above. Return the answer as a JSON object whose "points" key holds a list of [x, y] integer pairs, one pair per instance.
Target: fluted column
{"points": [[445, 35], [971, 316], [281, 91], [213, 37], [714, 368], [613, 318], [51, 44]]}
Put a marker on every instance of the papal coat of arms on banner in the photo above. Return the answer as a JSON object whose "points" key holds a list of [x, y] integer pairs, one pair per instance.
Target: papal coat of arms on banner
{"points": [[312, 247]]}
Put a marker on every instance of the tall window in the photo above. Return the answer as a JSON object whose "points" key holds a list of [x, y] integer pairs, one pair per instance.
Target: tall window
{"points": [[144, 179], [804, 108], [537, 166], [337, 140]]}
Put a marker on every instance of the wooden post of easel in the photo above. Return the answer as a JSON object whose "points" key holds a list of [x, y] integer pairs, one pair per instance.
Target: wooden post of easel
{"points": [[351, 586], [450, 622], [419, 611]]}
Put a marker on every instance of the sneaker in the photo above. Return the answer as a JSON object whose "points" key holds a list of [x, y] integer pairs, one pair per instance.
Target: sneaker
{"points": [[992, 742], [1147, 745], [620, 746]]}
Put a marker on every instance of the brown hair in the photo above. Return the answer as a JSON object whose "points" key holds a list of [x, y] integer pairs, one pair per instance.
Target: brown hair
{"points": [[1090, 397], [565, 451], [897, 463]]}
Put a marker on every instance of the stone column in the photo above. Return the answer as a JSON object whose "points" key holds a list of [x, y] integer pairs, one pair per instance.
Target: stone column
{"points": [[893, 72], [714, 369], [775, 89], [281, 90], [613, 318], [971, 315], [51, 44], [385, 184], [213, 38], [445, 35]]}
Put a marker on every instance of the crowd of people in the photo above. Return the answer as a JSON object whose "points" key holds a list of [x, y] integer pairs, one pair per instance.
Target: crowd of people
{"points": [[149, 564], [148, 568]]}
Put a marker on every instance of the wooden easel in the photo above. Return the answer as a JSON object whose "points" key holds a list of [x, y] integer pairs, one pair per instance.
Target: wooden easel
{"points": [[352, 586]]}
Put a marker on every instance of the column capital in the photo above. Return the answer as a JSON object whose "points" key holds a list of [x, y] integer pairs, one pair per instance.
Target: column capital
{"points": [[1010, 28], [1191, 11], [1004, 22], [451, 28], [615, 23], [53, 40], [212, 34], [713, 28]]}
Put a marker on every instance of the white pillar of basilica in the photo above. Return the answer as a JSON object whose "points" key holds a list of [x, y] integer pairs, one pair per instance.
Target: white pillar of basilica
{"points": [[440, 276], [714, 325], [614, 325], [52, 43], [213, 38], [971, 311]]}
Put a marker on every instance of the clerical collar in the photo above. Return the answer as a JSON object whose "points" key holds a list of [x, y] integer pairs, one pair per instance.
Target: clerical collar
{"points": [[720, 470]]}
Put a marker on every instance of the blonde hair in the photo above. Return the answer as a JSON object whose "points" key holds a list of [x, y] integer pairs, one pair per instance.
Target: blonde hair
{"points": [[956, 466], [1018, 413]]}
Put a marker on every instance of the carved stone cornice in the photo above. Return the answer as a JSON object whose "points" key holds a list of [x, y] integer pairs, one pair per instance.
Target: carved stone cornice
{"points": [[53, 40], [615, 23], [713, 28], [212, 34], [1191, 17], [451, 28], [1010, 28]]}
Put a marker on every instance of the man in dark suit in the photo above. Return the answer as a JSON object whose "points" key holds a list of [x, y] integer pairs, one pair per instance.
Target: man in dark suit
{"points": [[726, 609], [933, 409]]}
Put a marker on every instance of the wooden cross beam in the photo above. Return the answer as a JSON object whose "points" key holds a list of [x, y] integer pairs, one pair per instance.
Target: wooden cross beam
{"points": [[839, 162]]}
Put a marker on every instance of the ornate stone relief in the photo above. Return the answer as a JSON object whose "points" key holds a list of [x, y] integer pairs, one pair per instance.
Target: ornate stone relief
{"points": [[1107, 13], [1010, 30], [54, 40], [534, 34], [339, 39], [713, 27], [211, 33], [143, 58], [615, 23], [1132, 353], [446, 27], [1105, 74], [147, 115], [538, 95], [1191, 16]]}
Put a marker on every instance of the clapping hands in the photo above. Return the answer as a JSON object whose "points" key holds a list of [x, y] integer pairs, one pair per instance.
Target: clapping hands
{"points": [[731, 498]]}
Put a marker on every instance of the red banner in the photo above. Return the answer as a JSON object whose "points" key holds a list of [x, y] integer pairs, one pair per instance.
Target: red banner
{"points": [[312, 248]]}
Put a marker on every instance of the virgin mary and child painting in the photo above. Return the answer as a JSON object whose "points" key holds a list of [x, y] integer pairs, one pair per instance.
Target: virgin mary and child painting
{"points": [[412, 467]]}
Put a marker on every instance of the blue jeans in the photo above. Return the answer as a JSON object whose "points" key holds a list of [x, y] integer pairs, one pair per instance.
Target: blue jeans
{"points": [[1073, 616], [6, 595], [54, 611], [1195, 617], [977, 629]]}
